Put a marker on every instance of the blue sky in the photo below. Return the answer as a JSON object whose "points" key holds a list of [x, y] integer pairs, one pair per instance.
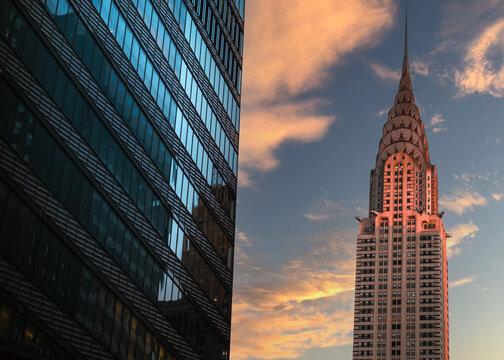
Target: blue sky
{"points": [[319, 77]]}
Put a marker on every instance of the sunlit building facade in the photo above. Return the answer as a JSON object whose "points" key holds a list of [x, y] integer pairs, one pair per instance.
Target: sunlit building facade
{"points": [[118, 175], [401, 282]]}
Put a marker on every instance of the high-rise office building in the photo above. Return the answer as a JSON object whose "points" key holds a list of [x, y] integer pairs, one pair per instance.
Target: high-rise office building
{"points": [[118, 165], [401, 281]]}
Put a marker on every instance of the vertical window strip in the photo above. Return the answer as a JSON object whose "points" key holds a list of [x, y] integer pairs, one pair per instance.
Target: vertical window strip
{"points": [[156, 26]]}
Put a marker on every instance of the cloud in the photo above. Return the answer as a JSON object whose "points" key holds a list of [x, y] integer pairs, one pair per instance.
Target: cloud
{"points": [[382, 112], [467, 280], [436, 120], [498, 197], [315, 217], [435, 123], [462, 19], [244, 178], [243, 238], [384, 72], [462, 200], [483, 71], [326, 209], [420, 67], [281, 311], [467, 17], [286, 49], [266, 128], [241, 258], [438, 129], [287, 54], [473, 178], [458, 234]]}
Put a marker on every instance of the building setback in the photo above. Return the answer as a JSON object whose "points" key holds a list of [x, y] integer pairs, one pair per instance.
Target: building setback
{"points": [[401, 281], [118, 167]]}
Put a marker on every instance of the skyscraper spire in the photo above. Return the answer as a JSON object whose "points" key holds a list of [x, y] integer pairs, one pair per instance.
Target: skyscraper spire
{"points": [[406, 35], [405, 82]]}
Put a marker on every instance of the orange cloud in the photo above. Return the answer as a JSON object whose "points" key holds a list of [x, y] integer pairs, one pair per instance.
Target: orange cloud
{"points": [[458, 234], [498, 197], [462, 200], [289, 49], [282, 311], [461, 282], [264, 129], [384, 72], [291, 44], [481, 73]]}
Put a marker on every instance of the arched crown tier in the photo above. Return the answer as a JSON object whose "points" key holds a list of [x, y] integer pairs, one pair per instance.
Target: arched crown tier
{"points": [[404, 130], [403, 133]]}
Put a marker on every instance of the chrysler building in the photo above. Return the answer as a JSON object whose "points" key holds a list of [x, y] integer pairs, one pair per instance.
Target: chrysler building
{"points": [[401, 281]]}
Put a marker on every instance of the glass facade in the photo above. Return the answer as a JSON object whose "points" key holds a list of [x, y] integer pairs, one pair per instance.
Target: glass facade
{"points": [[119, 154]]}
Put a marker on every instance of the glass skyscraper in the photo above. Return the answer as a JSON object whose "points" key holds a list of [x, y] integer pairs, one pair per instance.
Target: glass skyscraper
{"points": [[118, 164]]}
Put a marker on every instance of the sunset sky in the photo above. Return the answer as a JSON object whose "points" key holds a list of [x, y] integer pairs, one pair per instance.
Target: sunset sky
{"points": [[319, 77]]}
